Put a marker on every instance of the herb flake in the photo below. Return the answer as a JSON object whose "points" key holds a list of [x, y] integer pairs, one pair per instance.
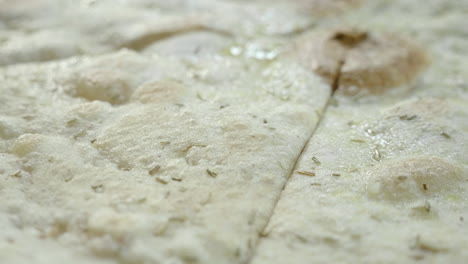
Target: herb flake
{"points": [[445, 135], [176, 178], [98, 188], [193, 145], [316, 160], [307, 173], [376, 155], [154, 170], [408, 117], [161, 180], [211, 173]]}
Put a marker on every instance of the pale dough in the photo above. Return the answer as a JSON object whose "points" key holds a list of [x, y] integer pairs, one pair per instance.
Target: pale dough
{"points": [[170, 129], [391, 171], [126, 158]]}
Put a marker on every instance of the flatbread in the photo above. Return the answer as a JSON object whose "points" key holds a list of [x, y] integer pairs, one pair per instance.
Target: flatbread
{"points": [[43, 30], [130, 158], [48, 30], [384, 178], [377, 193], [175, 139]]}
